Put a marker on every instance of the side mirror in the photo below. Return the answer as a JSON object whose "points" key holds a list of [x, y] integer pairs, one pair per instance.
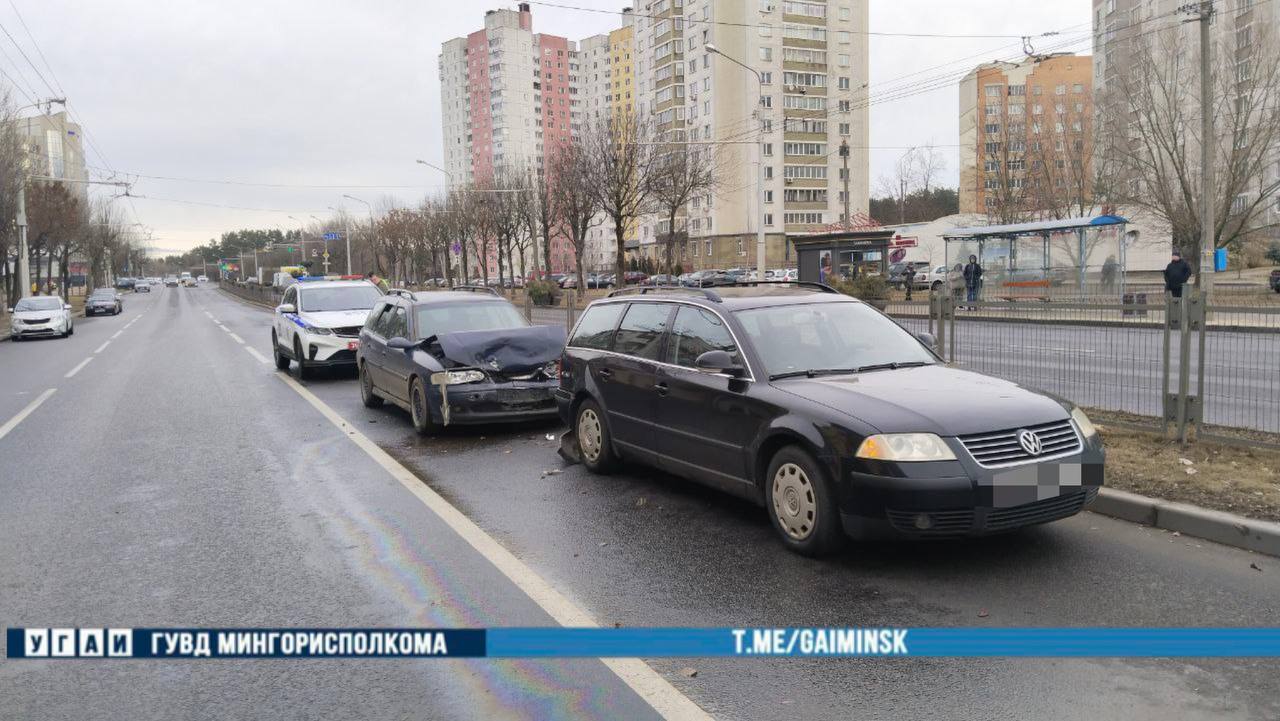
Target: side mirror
{"points": [[718, 361], [928, 339], [286, 308], [10, 310], [399, 343], [66, 306]]}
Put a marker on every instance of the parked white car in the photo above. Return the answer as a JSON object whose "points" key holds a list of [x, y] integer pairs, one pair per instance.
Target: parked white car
{"points": [[41, 315], [931, 278], [318, 323]]}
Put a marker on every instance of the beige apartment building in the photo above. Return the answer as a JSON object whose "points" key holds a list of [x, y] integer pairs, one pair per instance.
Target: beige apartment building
{"points": [[1026, 137], [812, 63]]}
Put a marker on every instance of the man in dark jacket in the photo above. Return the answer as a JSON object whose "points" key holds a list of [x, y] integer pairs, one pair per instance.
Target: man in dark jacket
{"points": [[972, 279], [908, 278], [1176, 274]]}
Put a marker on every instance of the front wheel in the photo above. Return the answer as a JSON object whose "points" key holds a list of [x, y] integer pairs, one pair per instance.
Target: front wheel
{"points": [[595, 446], [801, 503], [304, 373], [419, 408], [367, 396], [282, 361]]}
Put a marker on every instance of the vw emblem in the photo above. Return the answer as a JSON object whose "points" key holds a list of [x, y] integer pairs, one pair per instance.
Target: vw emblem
{"points": [[1030, 443]]}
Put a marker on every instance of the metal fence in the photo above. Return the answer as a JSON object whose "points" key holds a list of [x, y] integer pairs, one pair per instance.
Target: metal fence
{"points": [[262, 295], [1171, 364]]}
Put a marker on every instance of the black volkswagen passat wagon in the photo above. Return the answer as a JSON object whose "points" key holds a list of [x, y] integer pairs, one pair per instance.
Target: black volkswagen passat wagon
{"points": [[822, 409]]}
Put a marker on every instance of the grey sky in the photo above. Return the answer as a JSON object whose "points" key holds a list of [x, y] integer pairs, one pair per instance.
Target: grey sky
{"points": [[322, 92]]}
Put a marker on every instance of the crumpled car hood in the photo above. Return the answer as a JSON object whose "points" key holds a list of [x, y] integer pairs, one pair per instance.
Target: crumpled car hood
{"points": [[507, 351]]}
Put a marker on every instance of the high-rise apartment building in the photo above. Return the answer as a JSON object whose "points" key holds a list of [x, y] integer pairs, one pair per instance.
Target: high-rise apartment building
{"points": [[1026, 137], [812, 63], [1244, 36], [508, 97], [55, 150]]}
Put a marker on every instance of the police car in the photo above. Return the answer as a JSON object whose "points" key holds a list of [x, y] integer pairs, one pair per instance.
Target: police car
{"points": [[318, 323]]}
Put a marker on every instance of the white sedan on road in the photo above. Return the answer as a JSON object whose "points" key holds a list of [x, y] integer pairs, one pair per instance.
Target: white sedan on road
{"points": [[41, 315], [318, 323]]}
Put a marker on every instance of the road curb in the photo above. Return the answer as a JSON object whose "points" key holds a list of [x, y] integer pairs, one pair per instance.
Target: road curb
{"points": [[1217, 526]]}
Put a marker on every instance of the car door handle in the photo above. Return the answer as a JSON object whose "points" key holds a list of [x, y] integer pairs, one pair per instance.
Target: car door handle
{"points": [[605, 374], [662, 388]]}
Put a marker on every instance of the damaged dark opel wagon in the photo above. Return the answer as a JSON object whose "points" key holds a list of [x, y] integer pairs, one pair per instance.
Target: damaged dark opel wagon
{"points": [[459, 356], [823, 410]]}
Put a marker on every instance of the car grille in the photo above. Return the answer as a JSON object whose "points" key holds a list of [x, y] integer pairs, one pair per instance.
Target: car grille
{"points": [[36, 321], [348, 332], [1050, 509], [1001, 448]]}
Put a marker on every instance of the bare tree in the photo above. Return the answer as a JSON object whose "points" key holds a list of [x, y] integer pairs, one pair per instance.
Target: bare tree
{"points": [[12, 177], [55, 219], [540, 211], [575, 202], [619, 159], [679, 173], [916, 171], [1150, 139]]}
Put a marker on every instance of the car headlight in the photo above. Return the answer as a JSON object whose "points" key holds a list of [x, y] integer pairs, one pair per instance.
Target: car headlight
{"points": [[552, 369], [459, 377], [1087, 429], [319, 331], [905, 447]]}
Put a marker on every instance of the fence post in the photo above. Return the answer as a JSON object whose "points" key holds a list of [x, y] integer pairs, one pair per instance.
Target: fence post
{"points": [[571, 303], [1184, 372], [1201, 322], [528, 305]]}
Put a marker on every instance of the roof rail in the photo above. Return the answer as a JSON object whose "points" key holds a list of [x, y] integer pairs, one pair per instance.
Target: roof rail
{"points": [[402, 292], [475, 289], [643, 289], [823, 287]]}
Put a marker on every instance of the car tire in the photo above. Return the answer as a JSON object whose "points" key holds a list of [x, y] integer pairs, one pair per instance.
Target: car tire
{"points": [[367, 396], [71, 329], [595, 445], [801, 504], [304, 373], [282, 360], [419, 409], [937, 285]]}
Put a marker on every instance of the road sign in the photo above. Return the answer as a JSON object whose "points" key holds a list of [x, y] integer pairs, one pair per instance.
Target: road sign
{"points": [[904, 242], [326, 255], [331, 236]]}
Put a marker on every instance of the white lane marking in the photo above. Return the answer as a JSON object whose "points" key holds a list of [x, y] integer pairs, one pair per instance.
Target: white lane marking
{"points": [[647, 683], [261, 358], [236, 338], [102, 347], [224, 327], [13, 422], [117, 334], [76, 370]]}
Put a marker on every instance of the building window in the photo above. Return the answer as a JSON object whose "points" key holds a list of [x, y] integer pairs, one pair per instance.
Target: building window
{"points": [[766, 54], [708, 248], [844, 128], [994, 91], [768, 219], [768, 149], [768, 196]]}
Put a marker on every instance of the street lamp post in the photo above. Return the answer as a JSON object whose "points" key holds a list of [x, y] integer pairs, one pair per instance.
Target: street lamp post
{"points": [[371, 233], [759, 115], [23, 269]]}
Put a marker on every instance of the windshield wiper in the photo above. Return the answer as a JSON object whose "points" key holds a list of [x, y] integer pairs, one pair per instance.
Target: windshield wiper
{"points": [[812, 373], [892, 366], [815, 372]]}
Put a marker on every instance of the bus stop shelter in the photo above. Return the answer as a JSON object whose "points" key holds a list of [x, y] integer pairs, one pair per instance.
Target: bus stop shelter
{"points": [[1032, 259]]}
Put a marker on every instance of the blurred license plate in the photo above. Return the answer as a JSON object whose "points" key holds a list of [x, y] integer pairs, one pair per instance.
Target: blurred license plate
{"points": [[526, 395], [353, 344]]}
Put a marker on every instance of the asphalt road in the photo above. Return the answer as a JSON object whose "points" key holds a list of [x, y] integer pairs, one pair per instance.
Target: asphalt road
{"points": [[176, 480], [1115, 368]]}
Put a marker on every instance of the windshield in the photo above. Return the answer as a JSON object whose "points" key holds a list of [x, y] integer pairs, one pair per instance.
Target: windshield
{"points": [[438, 320], [350, 297], [43, 303], [827, 336]]}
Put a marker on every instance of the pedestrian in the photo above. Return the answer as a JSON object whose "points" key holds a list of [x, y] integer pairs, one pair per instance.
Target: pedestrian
{"points": [[378, 281], [1176, 275], [908, 278], [1109, 273], [972, 280]]}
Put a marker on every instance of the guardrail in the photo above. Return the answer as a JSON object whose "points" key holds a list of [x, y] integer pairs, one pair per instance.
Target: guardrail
{"points": [[262, 295]]}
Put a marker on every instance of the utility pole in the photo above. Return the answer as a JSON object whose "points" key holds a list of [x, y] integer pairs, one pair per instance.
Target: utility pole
{"points": [[1206, 151], [844, 173], [24, 269]]}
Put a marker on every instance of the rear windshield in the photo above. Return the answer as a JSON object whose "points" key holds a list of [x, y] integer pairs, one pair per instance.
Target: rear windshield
{"points": [[43, 303], [441, 319], [351, 297]]}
